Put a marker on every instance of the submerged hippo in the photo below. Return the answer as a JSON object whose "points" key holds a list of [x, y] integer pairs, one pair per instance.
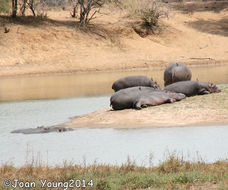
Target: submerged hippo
{"points": [[42, 129], [132, 81], [176, 72], [139, 97], [192, 88]]}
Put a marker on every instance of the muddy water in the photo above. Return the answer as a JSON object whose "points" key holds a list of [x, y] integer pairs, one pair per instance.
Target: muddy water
{"points": [[89, 84], [110, 146]]}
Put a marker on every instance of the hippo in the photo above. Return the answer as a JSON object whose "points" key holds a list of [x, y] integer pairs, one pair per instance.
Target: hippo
{"points": [[192, 88], [42, 129], [176, 72], [140, 97], [132, 81], [157, 98]]}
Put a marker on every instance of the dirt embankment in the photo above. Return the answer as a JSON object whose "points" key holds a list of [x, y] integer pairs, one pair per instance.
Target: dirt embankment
{"points": [[57, 46]]}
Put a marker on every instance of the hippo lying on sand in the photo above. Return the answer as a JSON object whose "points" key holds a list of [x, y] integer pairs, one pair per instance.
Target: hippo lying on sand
{"points": [[176, 72], [132, 81], [192, 88], [139, 97], [42, 130]]}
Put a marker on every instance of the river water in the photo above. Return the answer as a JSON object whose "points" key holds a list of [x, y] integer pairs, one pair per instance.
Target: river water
{"points": [[110, 146]]}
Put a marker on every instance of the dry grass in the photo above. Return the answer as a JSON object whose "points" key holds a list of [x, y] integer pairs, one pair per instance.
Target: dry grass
{"points": [[174, 173]]}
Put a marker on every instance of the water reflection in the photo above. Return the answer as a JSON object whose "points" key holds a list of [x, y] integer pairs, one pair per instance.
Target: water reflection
{"points": [[89, 84]]}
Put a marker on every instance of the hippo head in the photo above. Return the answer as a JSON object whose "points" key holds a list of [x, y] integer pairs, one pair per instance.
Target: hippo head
{"points": [[208, 87], [176, 96], [155, 85], [213, 88]]}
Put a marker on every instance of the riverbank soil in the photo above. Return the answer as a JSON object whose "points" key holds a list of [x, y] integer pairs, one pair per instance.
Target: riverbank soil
{"points": [[211, 109], [194, 33]]}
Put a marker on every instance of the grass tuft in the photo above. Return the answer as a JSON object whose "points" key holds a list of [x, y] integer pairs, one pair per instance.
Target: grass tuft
{"points": [[174, 173]]}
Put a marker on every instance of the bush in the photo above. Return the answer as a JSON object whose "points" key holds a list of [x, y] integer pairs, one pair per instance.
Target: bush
{"points": [[37, 7], [150, 15], [148, 11], [86, 9], [4, 6]]}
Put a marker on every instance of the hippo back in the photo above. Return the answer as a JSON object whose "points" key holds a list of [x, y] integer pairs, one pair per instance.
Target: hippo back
{"points": [[133, 81], [126, 98], [189, 88], [176, 72]]}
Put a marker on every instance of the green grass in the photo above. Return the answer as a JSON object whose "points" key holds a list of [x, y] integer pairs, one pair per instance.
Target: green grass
{"points": [[174, 173]]}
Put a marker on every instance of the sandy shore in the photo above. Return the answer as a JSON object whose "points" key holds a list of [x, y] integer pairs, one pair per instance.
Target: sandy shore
{"points": [[209, 109]]}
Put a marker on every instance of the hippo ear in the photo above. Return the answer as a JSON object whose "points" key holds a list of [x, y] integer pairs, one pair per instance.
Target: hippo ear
{"points": [[151, 78], [210, 85]]}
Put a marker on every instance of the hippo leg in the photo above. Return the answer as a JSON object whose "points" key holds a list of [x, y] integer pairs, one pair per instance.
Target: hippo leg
{"points": [[141, 104], [203, 91], [144, 106], [138, 105], [170, 100]]}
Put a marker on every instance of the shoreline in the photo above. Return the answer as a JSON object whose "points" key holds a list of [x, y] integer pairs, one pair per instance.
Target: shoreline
{"points": [[202, 110], [140, 126], [100, 70]]}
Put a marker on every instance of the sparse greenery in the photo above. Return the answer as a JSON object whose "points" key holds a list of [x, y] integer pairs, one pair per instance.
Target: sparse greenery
{"points": [[174, 173], [151, 15], [86, 9], [4, 6], [148, 11]]}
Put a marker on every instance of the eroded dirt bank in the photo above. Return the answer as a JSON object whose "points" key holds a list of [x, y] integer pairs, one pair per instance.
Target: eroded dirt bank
{"points": [[55, 45]]}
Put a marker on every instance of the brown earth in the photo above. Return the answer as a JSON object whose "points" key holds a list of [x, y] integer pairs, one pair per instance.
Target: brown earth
{"points": [[57, 45]]}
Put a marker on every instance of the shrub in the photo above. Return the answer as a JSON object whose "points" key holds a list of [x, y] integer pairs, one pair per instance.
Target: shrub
{"points": [[151, 14], [86, 9], [37, 7], [148, 11], [4, 6]]}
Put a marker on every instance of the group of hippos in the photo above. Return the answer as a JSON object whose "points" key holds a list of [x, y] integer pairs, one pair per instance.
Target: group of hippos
{"points": [[140, 91]]}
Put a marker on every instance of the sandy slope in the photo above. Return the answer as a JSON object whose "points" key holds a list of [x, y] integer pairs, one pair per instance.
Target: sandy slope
{"points": [[56, 45]]}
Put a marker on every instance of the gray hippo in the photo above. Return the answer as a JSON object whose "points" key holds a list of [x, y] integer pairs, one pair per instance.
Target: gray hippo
{"points": [[139, 97], [192, 88], [132, 81], [42, 129], [176, 72]]}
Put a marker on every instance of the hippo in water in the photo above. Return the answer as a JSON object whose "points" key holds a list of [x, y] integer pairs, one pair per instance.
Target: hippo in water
{"points": [[132, 81], [42, 129], [176, 72], [139, 97], [192, 88]]}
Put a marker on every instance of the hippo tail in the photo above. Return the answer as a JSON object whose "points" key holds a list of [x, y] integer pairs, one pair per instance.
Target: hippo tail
{"points": [[114, 87], [110, 102]]}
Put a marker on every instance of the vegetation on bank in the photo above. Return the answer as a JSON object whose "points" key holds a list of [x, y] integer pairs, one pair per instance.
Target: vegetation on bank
{"points": [[174, 173], [84, 11]]}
